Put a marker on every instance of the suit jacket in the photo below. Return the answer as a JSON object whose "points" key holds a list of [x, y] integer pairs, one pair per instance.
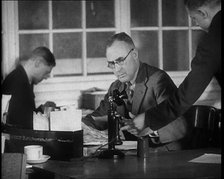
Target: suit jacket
{"points": [[205, 65], [21, 105], [152, 87]]}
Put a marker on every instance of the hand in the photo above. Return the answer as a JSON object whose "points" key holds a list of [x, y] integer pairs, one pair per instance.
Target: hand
{"points": [[129, 126], [134, 125], [139, 121], [50, 104], [145, 132], [48, 107]]}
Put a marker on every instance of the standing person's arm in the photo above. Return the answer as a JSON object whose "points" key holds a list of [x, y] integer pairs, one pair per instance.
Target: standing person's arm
{"points": [[205, 65]]}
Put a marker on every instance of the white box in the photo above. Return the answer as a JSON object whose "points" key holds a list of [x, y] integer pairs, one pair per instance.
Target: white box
{"points": [[68, 120]]}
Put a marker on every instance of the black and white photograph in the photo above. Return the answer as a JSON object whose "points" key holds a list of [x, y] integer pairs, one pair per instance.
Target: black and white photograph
{"points": [[111, 89]]}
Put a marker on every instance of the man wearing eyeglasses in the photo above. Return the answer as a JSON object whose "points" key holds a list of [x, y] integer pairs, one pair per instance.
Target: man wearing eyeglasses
{"points": [[205, 65], [149, 86]]}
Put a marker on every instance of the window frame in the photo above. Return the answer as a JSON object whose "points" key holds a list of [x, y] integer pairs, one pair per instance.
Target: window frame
{"points": [[10, 33]]}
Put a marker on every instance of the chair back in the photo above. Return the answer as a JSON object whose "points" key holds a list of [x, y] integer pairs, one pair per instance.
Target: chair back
{"points": [[203, 125], [13, 166], [217, 129]]}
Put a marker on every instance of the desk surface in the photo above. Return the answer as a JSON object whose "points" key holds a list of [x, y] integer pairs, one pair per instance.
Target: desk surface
{"points": [[173, 164]]}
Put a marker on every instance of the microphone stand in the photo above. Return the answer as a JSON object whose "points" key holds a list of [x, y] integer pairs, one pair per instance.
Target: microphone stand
{"points": [[113, 132]]}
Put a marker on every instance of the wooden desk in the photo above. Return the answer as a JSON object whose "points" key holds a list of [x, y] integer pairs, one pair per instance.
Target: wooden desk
{"points": [[13, 166], [159, 165]]}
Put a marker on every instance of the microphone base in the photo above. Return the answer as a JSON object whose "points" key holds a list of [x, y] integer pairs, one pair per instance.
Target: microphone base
{"points": [[112, 153]]}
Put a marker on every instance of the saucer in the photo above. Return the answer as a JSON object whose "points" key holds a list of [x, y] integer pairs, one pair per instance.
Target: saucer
{"points": [[43, 159]]}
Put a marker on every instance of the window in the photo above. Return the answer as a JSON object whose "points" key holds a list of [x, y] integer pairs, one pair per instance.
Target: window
{"points": [[76, 32], [163, 33]]}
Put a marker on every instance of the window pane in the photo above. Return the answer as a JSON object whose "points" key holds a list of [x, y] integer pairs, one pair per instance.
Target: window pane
{"points": [[67, 45], [96, 42], [100, 14], [33, 14], [66, 14], [67, 67], [175, 51], [147, 44], [28, 42], [148, 15], [174, 13], [97, 66], [196, 36]]}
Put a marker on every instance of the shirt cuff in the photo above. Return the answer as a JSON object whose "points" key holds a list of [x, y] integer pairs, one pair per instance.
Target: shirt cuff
{"points": [[154, 134]]}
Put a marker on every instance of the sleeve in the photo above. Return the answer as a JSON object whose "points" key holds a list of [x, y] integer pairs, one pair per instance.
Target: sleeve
{"points": [[6, 86], [163, 87], [21, 103], [99, 112], [204, 66]]}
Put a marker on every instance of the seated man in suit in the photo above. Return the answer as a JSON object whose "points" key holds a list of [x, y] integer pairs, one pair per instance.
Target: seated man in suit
{"points": [[146, 87], [19, 84]]}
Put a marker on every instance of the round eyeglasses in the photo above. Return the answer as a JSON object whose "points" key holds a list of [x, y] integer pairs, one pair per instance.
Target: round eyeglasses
{"points": [[119, 61]]}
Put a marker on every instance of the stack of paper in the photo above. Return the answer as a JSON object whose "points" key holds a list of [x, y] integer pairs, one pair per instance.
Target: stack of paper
{"points": [[65, 120], [68, 120], [127, 145], [208, 158], [93, 136], [40, 122]]}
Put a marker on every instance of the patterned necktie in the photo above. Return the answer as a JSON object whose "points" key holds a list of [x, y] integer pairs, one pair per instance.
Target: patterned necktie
{"points": [[130, 93]]}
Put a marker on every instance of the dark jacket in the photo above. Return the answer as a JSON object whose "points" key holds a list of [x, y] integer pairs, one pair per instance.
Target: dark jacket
{"points": [[22, 105], [205, 65]]}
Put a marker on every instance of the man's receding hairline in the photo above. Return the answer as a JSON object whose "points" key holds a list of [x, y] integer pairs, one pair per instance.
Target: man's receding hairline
{"points": [[122, 42], [41, 58], [193, 5], [45, 54]]}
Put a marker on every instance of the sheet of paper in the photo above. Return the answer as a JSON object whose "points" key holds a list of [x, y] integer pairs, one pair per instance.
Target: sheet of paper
{"points": [[94, 143], [127, 145], [208, 158], [40, 122], [68, 120], [5, 104], [93, 136]]}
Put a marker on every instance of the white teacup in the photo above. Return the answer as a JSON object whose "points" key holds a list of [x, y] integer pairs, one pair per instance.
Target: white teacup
{"points": [[33, 152]]}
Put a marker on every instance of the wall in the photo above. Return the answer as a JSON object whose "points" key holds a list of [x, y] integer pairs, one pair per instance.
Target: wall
{"points": [[70, 91]]}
